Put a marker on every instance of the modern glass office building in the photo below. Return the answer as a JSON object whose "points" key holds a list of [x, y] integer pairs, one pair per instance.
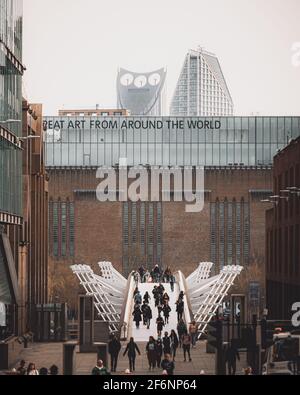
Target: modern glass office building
{"points": [[11, 71], [201, 89], [169, 141]]}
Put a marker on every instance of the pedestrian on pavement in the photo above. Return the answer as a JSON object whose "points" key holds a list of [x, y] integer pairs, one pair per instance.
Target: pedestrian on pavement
{"points": [[31, 370], [135, 291], [167, 343], [166, 311], [193, 330], [172, 282], [181, 329], [137, 316], [53, 370], [168, 365], [100, 369], [174, 343], [159, 351], [136, 278], [231, 356], [146, 297], [21, 370], [114, 347], [160, 324], [131, 350], [151, 353], [186, 345]]}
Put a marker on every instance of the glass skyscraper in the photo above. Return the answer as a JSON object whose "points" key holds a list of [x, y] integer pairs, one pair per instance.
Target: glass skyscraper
{"points": [[201, 88], [11, 71]]}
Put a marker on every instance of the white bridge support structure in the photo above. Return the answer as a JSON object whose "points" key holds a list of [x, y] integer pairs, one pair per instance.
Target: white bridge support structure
{"points": [[108, 291], [206, 294], [113, 294]]}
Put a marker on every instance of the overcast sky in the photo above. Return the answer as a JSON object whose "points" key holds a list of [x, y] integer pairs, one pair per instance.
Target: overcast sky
{"points": [[73, 48]]}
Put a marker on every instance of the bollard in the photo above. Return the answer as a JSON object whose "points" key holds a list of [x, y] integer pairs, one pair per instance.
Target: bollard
{"points": [[69, 358]]}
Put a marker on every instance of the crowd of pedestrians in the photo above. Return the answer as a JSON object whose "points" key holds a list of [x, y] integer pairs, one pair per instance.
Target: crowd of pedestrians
{"points": [[31, 370], [156, 275]]}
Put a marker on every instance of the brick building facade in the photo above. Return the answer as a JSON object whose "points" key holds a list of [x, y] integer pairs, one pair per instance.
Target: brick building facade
{"points": [[283, 235], [229, 230]]}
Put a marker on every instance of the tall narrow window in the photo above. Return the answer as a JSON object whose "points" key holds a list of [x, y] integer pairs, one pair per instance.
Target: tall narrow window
{"points": [[55, 229], [72, 229]]}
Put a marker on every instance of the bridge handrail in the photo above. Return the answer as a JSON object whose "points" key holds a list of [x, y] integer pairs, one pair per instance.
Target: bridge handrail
{"points": [[126, 308], [188, 315]]}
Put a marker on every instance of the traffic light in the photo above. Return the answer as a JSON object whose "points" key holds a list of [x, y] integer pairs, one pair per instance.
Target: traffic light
{"points": [[215, 334]]}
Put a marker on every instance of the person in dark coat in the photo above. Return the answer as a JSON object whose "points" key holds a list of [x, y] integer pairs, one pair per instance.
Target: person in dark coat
{"points": [[160, 324], [166, 311], [159, 351], [166, 298], [172, 282], [160, 289], [143, 308], [181, 295], [151, 352], [114, 347], [167, 343], [137, 316], [179, 309], [146, 297], [231, 356], [147, 315], [174, 343], [131, 350], [142, 272]]}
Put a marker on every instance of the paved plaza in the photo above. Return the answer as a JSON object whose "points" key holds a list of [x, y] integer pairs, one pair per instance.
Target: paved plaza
{"points": [[47, 354]]}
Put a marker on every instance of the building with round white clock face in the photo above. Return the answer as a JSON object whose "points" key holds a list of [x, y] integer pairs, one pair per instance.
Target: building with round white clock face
{"points": [[142, 93]]}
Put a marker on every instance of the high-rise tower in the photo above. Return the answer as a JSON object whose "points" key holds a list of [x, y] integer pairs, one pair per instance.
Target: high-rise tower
{"points": [[201, 88]]}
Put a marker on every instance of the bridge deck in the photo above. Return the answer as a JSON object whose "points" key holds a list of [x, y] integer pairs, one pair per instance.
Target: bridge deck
{"points": [[142, 334]]}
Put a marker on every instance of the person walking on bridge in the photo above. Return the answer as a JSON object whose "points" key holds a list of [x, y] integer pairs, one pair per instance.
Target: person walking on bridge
{"points": [[160, 324], [167, 343], [137, 316], [147, 297], [159, 351], [179, 308], [172, 282], [138, 298], [147, 315], [166, 311], [131, 350]]}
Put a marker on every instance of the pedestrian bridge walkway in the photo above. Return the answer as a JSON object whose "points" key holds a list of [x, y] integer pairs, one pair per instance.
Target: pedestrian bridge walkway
{"points": [[142, 334], [114, 297]]}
